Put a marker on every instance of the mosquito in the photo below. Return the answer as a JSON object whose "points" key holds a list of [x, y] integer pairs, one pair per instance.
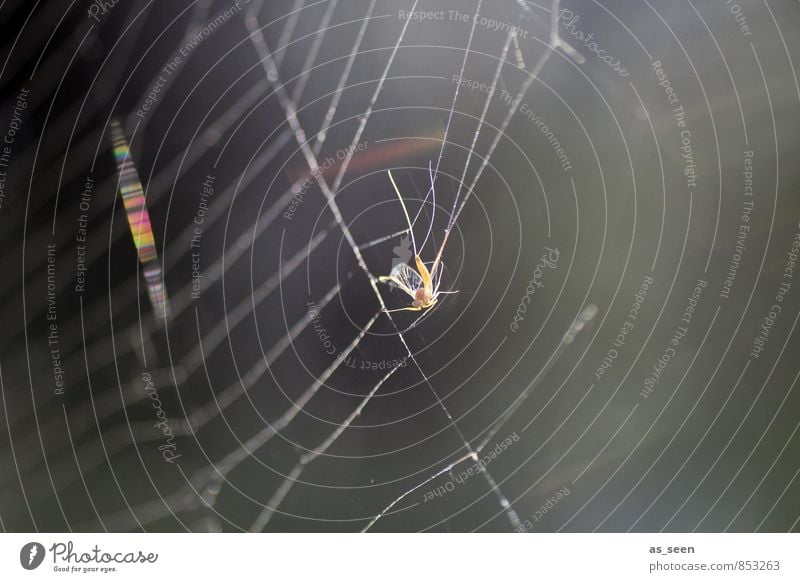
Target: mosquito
{"points": [[423, 283]]}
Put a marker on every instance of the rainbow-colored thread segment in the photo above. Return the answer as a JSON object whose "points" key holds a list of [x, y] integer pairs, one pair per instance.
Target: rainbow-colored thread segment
{"points": [[130, 188]]}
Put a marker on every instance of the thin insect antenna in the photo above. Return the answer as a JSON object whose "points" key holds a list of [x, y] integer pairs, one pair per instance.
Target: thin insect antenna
{"points": [[447, 130], [405, 211], [431, 192], [489, 95], [422, 206], [458, 85]]}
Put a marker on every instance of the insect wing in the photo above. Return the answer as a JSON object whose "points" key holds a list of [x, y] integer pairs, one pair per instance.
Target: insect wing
{"points": [[406, 278]]}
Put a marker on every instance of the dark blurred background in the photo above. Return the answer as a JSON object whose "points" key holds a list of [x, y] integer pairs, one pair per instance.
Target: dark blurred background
{"points": [[653, 158]]}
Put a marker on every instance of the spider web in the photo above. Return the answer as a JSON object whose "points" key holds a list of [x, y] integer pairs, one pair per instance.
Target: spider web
{"points": [[290, 109], [202, 487]]}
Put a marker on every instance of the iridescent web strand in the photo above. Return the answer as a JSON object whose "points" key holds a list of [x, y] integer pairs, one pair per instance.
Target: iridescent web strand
{"points": [[130, 188]]}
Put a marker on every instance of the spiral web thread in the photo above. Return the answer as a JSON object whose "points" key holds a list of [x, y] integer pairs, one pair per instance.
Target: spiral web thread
{"points": [[289, 107], [203, 486]]}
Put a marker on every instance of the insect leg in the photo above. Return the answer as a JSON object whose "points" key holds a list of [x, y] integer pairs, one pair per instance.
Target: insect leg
{"points": [[412, 308]]}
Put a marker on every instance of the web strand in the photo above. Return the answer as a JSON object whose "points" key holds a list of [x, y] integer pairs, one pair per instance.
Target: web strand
{"points": [[489, 96], [554, 43], [452, 109], [204, 485], [272, 73]]}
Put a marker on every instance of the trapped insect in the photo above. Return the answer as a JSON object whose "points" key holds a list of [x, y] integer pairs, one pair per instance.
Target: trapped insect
{"points": [[423, 283]]}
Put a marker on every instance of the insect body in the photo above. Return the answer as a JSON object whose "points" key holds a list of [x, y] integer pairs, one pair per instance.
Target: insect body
{"points": [[419, 284], [423, 283]]}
